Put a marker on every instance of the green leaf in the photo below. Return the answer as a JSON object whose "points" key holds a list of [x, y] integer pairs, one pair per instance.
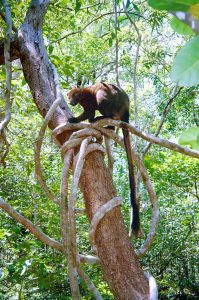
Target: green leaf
{"points": [[56, 60], [50, 49], [67, 71], [23, 82], [170, 5], [136, 7], [120, 19], [78, 5], [185, 69], [110, 42], [180, 27], [113, 35], [4, 233], [190, 137]]}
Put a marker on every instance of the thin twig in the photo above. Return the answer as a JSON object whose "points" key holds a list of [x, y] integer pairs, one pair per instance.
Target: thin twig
{"points": [[163, 117]]}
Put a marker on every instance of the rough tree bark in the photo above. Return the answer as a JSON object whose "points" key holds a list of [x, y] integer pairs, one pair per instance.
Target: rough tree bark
{"points": [[118, 260]]}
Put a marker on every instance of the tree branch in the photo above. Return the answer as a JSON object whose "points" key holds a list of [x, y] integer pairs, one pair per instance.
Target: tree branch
{"points": [[5, 146], [149, 137], [36, 231], [8, 67], [14, 49]]}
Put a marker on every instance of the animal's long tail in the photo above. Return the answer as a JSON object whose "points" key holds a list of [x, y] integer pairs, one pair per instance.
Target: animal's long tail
{"points": [[136, 219]]}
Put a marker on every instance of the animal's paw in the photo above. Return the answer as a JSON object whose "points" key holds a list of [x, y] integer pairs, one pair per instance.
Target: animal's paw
{"points": [[73, 120]]}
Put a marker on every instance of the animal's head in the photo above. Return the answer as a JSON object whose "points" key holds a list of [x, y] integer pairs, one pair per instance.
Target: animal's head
{"points": [[74, 96]]}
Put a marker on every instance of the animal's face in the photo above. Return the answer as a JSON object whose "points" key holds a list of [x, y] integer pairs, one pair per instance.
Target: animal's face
{"points": [[74, 96]]}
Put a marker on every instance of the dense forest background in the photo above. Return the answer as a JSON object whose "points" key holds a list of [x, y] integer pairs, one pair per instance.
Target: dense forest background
{"points": [[87, 45]]}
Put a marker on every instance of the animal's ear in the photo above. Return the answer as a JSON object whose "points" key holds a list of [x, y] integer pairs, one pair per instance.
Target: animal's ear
{"points": [[71, 89]]}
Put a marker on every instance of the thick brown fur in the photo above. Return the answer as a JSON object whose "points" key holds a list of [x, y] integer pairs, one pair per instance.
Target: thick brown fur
{"points": [[111, 101]]}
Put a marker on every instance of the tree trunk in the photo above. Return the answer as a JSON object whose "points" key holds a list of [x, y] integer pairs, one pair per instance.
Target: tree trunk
{"points": [[119, 263], [118, 260]]}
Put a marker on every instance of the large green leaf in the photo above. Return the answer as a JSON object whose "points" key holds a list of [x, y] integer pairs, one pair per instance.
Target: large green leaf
{"points": [[180, 27], [170, 5], [185, 69], [190, 137]]}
